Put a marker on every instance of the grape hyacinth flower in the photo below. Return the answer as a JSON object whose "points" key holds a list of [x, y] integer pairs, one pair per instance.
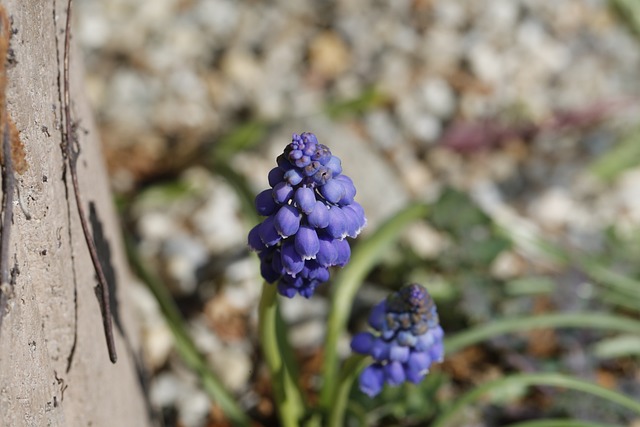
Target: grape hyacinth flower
{"points": [[309, 212], [407, 341]]}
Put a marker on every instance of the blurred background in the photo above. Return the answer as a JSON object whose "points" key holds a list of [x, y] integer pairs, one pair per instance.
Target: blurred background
{"points": [[516, 120]]}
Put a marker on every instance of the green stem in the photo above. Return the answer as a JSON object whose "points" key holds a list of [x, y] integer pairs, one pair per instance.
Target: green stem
{"points": [[542, 379], [559, 422], [345, 287], [350, 370], [283, 376], [184, 344], [559, 320]]}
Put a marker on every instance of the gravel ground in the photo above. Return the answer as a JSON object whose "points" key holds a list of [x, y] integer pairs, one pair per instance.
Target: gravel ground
{"points": [[506, 100]]}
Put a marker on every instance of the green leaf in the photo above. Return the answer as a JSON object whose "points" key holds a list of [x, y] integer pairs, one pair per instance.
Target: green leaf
{"points": [[627, 153], [537, 379], [623, 345], [367, 100], [456, 213], [534, 285], [480, 333], [559, 422], [628, 12], [245, 136]]}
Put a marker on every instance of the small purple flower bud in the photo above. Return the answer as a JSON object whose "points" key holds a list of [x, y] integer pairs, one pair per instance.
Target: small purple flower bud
{"points": [[255, 242], [308, 290], [284, 163], [293, 282], [353, 222], [291, 260], [293, 177], [376, 317], [332, 191], [276, 263], [437, 352], [305, 199], [314, 271], [302, 162], [322, 176], [349, 190], [276, 175], [362, 342], [310, 140], [371, 380], [337, 227], [268, 233], [406, 338], [322, 154], [265, 205], [437, 332], [282, 192], [425, 341], [380, 350], [268, 273], [306, 242], [344, 252], [319, 216], [335, 165], [415, 376], [311, 168], [398, 353], [357, 208], [418, 365], [394, 373], [286, 290], [327, 253], [287, 221]]}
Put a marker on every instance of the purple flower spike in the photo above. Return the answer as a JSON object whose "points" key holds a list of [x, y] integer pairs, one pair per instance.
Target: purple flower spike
{"points": [[407, 339], [306, 221]]}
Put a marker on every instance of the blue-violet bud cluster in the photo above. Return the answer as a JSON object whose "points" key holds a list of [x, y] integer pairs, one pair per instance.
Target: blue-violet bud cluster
{"points": [[408, 339], [309, 212]]}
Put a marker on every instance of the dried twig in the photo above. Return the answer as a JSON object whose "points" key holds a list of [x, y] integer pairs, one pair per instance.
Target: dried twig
{"points": [[71, 149]]}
